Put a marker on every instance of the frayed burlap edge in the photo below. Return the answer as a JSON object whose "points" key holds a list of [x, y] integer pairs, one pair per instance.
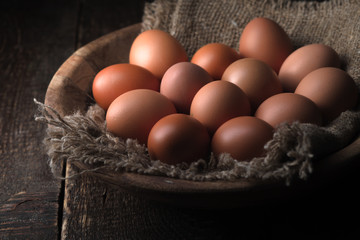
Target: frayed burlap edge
{"points": [[290, 153]]}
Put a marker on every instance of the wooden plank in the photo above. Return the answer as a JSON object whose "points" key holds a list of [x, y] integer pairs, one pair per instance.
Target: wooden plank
{"points": [[94, 210], [99, 18], [35, 38], [29, 215]]}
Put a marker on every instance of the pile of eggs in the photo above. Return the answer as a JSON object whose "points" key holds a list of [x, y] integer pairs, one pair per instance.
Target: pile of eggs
{"points": [[223, 100]]}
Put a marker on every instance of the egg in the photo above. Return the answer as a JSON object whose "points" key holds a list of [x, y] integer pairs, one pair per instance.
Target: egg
{"points": [[242, 137], [114, 80], [288, 107], [217, 102], [181, 82], [156, 51], [266, 40], [333, 90], [178, 138], [134, 113], [215, 58], [305, 60], [257, 79]]}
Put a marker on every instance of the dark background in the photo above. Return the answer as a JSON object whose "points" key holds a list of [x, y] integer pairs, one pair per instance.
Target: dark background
{"points": [[36, 37]]}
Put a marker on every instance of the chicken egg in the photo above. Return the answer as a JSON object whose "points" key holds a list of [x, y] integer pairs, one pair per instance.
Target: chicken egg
{"points": [[288, 107], [305, 60], [242, 137], [156, 51], [257, 79], [134, 113], [217, 102], [333, 90], [215, 58], [181, 82], [264, 39], [117, 79], [178, 138]]}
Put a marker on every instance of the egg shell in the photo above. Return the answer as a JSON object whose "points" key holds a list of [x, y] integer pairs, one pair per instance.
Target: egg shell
{"points": [[288, 107], [181, 82], [156, 51], [242, 137], [305, 60], [217, 102], [215, 58], [266, 40], [114, 80], [134, 113], [257, 79], [333, 90], [178, 138]]}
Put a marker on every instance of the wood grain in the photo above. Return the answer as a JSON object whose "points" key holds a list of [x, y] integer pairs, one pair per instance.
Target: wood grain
{"points": [[35, 38], [93, 208], [90, 200], [30, 216], [240, 192]]}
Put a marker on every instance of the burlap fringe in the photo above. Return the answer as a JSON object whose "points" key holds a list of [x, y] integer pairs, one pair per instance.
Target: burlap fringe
{"points": [[84, 138]]}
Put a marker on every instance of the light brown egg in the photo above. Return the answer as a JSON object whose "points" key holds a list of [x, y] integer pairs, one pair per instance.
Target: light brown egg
{"points": [[242, 137], [333, 90], [288, 107], [257, 79], [217, 102], [156, 51], [117, 79], [178, 138], [134, 113], [215, 58], [266, 40], [181, 82], [305, 60]]}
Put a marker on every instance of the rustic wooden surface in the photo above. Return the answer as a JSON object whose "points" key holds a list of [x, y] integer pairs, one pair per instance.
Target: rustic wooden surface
{"points": [[35, 39]]}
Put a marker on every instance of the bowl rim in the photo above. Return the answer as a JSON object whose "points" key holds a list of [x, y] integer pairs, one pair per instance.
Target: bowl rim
{"points": [[168, 189]]}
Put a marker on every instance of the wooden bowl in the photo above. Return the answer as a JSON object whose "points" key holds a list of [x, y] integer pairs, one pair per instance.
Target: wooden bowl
{"points": [[69, 90]]}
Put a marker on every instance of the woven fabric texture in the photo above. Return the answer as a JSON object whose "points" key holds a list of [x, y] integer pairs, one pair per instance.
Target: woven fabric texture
{"points": [[195, 23]]}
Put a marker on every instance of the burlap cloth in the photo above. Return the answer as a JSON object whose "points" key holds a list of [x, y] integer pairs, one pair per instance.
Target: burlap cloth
{"points": [[195, 23]]}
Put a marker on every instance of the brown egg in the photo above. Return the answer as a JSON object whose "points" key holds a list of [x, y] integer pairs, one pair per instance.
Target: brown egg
{"points": [[331, 89], [134, 113], [264, 39], [242, 137], [257, 79], [181, 82], [156, 51], [217, 102], [288, 107], [178, 138], [215, 58], [117, 79], [305, 60]]}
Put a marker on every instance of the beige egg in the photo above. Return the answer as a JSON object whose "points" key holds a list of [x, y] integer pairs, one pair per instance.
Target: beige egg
{"points": [[215, 58], [134, 113], [333, 90], [257, 79], [156, 51], [264, 39], [181, 82], [217, 102], [242, 137], [305, 60], [288, 108], [178, 138]]}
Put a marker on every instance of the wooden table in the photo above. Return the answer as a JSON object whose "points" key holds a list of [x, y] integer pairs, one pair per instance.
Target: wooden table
{"points": [[36, 37]]}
